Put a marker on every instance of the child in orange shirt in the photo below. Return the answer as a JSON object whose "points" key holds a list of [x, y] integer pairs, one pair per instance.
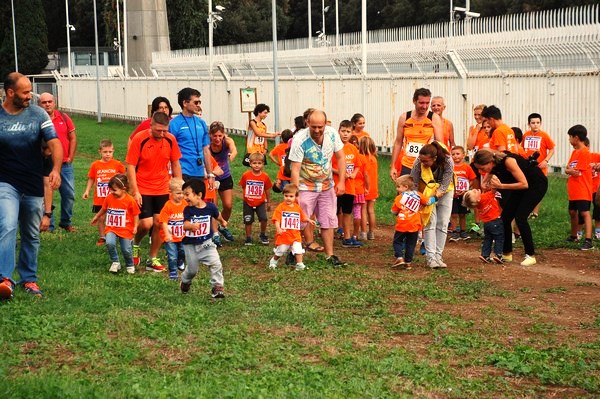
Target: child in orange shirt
{"points": [[595, 157], [579, 185], [464, 176], [100, 173], [361, 188], [366, 147], [171, 224], [122, 217], [493, 227], [278, 155], [256, 185], [287, 218], [406, 207]]}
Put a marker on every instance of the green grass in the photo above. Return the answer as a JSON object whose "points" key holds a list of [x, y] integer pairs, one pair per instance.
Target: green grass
{"points": [[347, 333]]}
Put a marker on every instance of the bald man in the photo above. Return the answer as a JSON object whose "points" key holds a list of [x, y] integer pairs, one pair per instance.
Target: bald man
{"points": [[65, 129], [22, 129]]}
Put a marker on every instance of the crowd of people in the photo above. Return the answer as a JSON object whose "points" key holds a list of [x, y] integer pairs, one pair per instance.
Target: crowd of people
{"points": [[178, 170]]}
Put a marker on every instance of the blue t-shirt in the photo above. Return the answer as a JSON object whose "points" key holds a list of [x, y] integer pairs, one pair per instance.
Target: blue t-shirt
{"points": [[202, 216], [21, 160], [191, 133]]}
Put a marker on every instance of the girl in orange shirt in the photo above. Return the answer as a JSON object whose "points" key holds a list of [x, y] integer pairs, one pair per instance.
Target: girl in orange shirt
{"points": [[366, 146], [122, 217], [358, 126], [256, 141]]}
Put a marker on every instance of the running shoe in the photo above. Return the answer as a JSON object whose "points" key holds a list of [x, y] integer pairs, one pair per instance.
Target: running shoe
{"points": [[335, 261], [7, 289], [154, 265], [264, 239], [226, 233], [528, 261], [217, 240], [272, 264], [464, 235], [300, 266], [248, 241], [32, 288], [185, 287], [217, 292], [136, 255], [173, 275], [587, 245], [114, 267]]}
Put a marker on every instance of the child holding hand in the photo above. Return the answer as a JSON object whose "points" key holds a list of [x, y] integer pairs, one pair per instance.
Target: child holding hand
{"points": [[493, 227]]}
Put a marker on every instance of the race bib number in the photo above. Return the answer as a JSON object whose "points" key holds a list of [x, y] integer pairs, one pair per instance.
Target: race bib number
{"points": [[411, 201], [283, 159], [290, 220], [412, 149], [573, 164], [254, 188], [102, 189], [532, 143], [259, 140], [349, 169], [116, 217], [203, 230], [462, 184], [176, 228]]}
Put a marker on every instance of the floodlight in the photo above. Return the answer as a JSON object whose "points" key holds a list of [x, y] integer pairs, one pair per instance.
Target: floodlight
{"points": [[220, 8]]}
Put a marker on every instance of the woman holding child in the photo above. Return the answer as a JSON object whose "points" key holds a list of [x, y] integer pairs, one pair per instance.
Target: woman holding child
{"points": [[522, 186], [433, 172]]}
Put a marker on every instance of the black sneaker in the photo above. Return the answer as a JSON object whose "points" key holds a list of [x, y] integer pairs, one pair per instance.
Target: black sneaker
{"points": [[336, 262], [464, 235], [587, 245], [248, 241], [572, 239], [264, 239], [217, 292], [185, 287], [226, 233]]}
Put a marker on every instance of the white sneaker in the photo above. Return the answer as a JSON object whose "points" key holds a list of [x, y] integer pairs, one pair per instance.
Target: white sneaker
{"points": [[528, 261], [115, 267], [362, 236], [130, 269], [433, 264], [300, 266], [441, 262], [272, 264]]}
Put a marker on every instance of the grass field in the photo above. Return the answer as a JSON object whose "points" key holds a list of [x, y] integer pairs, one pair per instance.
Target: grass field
{"points": [[347, 333]]}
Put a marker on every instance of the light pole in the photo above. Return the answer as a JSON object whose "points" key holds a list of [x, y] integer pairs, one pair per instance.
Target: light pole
{"points": [[309, 25], [12, 7], [213, 17], [97, 65], [118, 44], [69, 29], [337, 24]]}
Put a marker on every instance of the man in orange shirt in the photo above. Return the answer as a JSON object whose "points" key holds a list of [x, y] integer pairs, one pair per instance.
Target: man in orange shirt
{"points": [[503, 138], [147, 159]]}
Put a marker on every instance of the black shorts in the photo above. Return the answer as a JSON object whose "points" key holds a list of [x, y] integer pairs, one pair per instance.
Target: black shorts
{"points": [[580, 205], [187, 178], [345, 203], [261, 212], [226, 184], [96, 208], [152, 205], [458, 208]]}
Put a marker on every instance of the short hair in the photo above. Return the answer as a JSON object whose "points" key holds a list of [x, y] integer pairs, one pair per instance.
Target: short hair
{"points": [[105, 143], [286, 135], [518, 134], [492, 112], [120, 181], [459, 147], [468, 200], [160, 118], [156, 102], [215, 127], [256, 156], [533, 116], [346, 123], [291, 189], [196, 185], [185, 94], [422, 92], [260, 108], [578, 131], [480, 107], [405, 180], [175, 184], [440, 97], [307, 113], [10, 81]]}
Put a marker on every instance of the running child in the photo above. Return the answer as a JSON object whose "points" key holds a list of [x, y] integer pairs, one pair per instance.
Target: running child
{"points": [[278, 155], [256, 186], [493, 227], [99, 175], [464, 176], [197, 243], [171, 225], [366, 146], [122, 217], [287, 218]]}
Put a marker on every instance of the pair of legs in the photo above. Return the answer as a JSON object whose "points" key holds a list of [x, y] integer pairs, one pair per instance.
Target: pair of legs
{"points": [[205, 253], [261, 213], [151, 207], [67, 196], [322, 204], [436, 231], [226, 195], [493, 234], [126, 248], [357, 211], [579, 211], [295, 247], [345, 204], [404, 244], [368, 216], [175, 255]]}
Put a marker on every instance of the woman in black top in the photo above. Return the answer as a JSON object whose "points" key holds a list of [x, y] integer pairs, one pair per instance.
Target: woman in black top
{"points": [[522, 185]]}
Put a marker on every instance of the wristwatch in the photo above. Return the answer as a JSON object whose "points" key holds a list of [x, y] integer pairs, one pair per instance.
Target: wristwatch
{"points": [[211, 175], [48, 214]]}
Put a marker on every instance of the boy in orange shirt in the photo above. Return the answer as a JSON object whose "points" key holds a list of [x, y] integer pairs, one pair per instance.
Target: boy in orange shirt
{"points": [[257, 197], [171, 224], [100, 173], [464, 176], [493, 227], [287, 218], [406, 207], [278, 155], [536, 140], [595, 185], [121, 221], [503, 138], [579, 185]]}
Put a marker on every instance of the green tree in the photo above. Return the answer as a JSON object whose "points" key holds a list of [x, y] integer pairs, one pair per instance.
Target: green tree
{"points": [[32, 40]]}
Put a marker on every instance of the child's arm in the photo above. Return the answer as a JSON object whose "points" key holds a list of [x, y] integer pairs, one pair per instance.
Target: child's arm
{"points": [[273, 158], [136, 221], [165, 228], [86, 193], [268, 193], [278, 229], [97, 217]]}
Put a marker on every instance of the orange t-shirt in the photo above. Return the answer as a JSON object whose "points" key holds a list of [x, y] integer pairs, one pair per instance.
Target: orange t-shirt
{"points": [[488, 207], [361, 134], [101, 172], [281, 176], [482, 140], [416, 135], [278, 152], [464, 174], [446, 129], [595, 158], [172, 215], [359, 182], [152, 161], [211, 195], [255, 187], [407, 206], [540, 142], [579, 188], [289, 218], [120, 214], [352, 162], [371, 168], [504, 136]]}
